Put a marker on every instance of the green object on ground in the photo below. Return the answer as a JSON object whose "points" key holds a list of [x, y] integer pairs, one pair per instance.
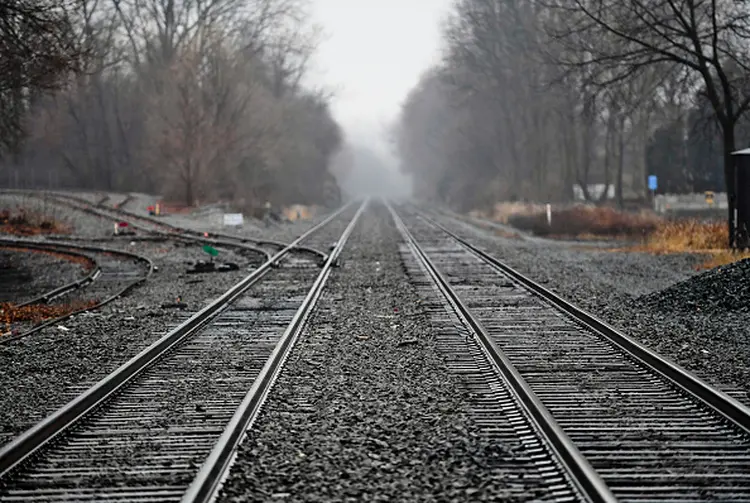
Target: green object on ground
{"points": [[210, 250]]}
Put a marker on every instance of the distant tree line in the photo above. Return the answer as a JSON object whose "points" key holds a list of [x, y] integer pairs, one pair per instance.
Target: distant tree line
{"points": [[533, 97], [198, 100]]}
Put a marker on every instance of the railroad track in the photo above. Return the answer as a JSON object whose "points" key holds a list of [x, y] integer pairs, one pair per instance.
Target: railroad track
{"points": [[614, 421], [164, 426], [15, 286], [115, 273], [225, 237], [157, 226]]}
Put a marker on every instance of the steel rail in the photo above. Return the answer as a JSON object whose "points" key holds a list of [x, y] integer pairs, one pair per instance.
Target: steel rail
{"points": [[589, 483], [188, 235], [119, 293], [222, 235], [29, 442], [721, 403], [215, 469], [128, 198], [111, 239], [47, 296], [183, 233], [103, 200], [226, 239]]}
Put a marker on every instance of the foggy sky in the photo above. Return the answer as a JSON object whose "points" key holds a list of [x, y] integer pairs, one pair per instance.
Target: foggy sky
{"points": [[373, 54]]}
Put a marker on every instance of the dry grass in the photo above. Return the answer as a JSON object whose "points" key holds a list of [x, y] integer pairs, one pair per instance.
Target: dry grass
{"points": [[693, 236], [687, 235], [723, 257], [588, 222], [11, 313], [656, 235], [22, 222]]}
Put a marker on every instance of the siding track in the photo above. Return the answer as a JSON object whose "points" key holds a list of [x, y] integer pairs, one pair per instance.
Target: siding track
{"points": [[157, 227], [116, 273]]}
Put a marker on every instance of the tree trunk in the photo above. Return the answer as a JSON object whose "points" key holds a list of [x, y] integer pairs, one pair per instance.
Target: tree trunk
{"points": [[189, 184], [588, 119], [620, 162], [609, 151], [728, 128]]}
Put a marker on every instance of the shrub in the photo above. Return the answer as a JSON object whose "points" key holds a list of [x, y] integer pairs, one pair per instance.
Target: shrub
{"points": [[587, 221]]}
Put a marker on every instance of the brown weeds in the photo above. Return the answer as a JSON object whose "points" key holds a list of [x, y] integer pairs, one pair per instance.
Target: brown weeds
{"points": [[694, 236], [722, 257], [22, 222], [686, 236], [656, 235], [589, 222], [11, 313]]}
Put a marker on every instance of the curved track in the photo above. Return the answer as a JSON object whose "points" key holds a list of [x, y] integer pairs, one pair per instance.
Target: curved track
{"points": [[158, 226], [116, 273], [225, 237], [142, 433], [59, 290], [153, 228], [650, 430]]}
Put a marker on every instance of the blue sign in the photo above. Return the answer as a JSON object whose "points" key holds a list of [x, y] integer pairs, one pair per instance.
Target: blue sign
{"points": [[652, 182]]}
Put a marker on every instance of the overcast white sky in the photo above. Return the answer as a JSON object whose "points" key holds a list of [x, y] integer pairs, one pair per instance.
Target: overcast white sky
{"points": [[373, 54]]}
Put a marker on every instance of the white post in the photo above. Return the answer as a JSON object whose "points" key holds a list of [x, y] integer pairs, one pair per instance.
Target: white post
{"points": [[549, 214]]}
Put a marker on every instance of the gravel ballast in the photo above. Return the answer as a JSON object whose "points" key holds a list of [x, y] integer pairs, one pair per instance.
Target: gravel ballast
{"points": [[365, 409], [82, 224], [27, 274], [632, 292], [45, 370], [722, 290]]}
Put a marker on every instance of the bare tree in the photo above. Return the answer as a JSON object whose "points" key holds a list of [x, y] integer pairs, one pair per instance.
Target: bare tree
{"points": [[201, 99], [708, 39], [38, 49], [537, 98]]}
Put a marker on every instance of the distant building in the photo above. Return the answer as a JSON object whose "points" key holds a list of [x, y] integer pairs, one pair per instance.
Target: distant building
{"points": [[595, 191]]}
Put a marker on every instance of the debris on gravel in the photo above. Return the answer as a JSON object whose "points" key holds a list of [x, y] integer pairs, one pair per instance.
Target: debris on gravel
{"points": [[631, 291], [366, 409]]}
